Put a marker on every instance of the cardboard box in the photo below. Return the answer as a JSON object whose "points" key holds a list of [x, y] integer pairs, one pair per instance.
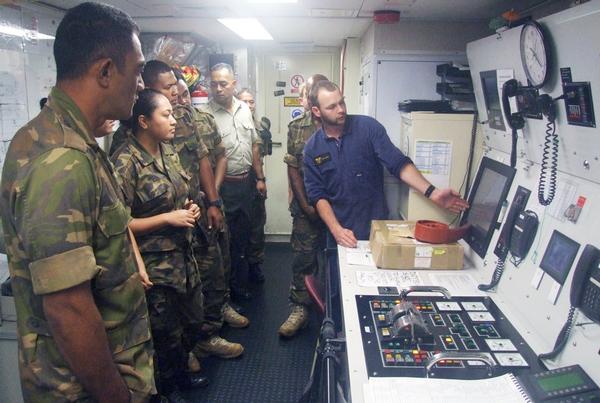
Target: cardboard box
{"points": [[393, 247]]}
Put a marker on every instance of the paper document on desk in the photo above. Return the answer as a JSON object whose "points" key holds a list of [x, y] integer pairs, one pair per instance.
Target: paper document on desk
{"points": [[361, 255], [387, 278], [456, 283], [501, 389]]}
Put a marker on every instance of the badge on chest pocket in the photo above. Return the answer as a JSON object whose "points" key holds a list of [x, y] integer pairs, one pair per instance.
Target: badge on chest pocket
{"points": [[321, 159]]}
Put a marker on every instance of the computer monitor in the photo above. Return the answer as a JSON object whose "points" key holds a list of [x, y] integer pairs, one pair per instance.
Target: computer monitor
{"points": [[489, 191]]}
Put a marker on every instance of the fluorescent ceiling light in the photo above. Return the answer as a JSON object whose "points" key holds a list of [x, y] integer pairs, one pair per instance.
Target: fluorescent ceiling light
{"points": [[271, 1], [23, 33], [247, 28]]}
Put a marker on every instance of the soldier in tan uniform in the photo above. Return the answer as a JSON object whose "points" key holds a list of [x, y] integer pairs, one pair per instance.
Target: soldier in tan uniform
{"points": [[82, 319], [307, 227], [244, 176], [156, 189]]}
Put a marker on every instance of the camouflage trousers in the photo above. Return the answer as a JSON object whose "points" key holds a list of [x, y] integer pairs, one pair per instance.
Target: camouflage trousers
{"points": [[308, 255], [173, 315], [223, 238], [258, 218], [215, 280]]}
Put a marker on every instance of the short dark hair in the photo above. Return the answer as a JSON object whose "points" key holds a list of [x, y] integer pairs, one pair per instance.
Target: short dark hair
{"points": [[145, 104], [178, 74], [221, 66], [312, 80], [88, 32], [314, 91], [153, 69], [244, 90]]}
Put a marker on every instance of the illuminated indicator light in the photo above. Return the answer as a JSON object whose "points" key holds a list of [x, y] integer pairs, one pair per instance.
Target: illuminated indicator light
{"points": [[448, 339], [415, 352], [385, 332], [381, 317]]}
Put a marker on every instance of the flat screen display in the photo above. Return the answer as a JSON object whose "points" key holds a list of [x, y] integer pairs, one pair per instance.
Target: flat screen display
{"points": [[489, 191], [560, 382], [489, 84], [559, 256], [484, 204]]}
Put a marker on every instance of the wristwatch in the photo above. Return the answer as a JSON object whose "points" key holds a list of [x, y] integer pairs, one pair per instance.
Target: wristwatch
{"points": [[429, 191], [263, 179], [215, 203]]}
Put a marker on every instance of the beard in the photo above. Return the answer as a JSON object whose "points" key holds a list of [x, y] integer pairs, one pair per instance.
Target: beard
{"points": [[338, 121]]}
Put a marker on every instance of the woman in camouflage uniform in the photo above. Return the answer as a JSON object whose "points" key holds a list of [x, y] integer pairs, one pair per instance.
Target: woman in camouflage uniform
{"points": [[156, 190]]}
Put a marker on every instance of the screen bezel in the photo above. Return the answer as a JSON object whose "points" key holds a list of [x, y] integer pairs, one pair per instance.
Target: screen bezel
{"points": [[495, 117], [559, 274], [481, 244]]}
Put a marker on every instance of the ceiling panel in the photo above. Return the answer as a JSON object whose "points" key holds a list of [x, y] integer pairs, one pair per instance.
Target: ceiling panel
{"points": [[321, 22]]}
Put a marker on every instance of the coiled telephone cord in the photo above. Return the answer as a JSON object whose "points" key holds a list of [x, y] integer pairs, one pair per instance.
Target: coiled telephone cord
{"points": [[549, 162]]}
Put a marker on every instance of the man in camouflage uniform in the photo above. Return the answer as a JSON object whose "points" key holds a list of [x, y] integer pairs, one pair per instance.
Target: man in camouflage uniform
{"points": [[256, 255], [206, 246], [154, 188], [82, 319], [216, 156], [307, 228]]}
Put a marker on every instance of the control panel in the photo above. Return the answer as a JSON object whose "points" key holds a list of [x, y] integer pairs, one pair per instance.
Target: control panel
{"points": [[459, 338]]}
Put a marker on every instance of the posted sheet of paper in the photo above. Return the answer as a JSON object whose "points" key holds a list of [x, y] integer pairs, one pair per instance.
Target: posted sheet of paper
{"points": [[361, 255], [383, 278]]}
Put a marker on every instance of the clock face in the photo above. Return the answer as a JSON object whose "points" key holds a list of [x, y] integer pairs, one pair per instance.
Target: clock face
{"points": [[534, 54]]}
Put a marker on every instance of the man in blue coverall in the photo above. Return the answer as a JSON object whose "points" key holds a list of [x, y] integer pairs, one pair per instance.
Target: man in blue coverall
{"points": [[343, 169]]}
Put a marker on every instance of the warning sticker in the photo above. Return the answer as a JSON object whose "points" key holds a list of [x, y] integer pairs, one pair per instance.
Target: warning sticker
{"points": [[292, 102], [297, 80]]}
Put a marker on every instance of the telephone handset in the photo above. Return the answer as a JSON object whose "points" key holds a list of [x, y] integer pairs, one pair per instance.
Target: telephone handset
{"points": [[515, 120], [585, 295], [532, 104], [585, 286]]}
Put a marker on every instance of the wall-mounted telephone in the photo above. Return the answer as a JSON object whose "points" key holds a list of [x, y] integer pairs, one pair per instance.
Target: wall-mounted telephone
{"points": [[513, 236], [585, 295], [532, 104], [523, 234]]}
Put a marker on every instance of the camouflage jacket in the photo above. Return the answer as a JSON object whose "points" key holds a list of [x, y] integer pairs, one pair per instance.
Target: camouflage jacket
{"points": [[299, 131], [151, 189], [189, 145], [206, 125], [264, 132], [118, 139], [65, 223]]}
